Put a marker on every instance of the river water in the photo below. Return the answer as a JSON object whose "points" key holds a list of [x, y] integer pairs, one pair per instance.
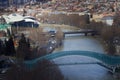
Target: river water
{"points": [[82, 71]]}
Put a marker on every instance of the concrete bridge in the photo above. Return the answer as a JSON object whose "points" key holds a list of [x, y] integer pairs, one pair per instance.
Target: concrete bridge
{"points": [[110, 62], [85, 32]]}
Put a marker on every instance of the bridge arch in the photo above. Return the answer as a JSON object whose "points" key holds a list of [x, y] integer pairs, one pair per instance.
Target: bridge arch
{"points": [[107, 59], [110, 62]]}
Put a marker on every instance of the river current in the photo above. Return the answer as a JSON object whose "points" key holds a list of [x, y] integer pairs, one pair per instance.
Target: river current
{"points": [[82, 71]]}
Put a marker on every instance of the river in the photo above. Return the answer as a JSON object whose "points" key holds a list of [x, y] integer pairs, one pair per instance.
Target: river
{"points": [[82, 71]]}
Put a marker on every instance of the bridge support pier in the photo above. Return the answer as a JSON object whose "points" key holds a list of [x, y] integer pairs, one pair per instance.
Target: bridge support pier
{"points": [[92, 34], [85, 34], [113, 70], [63, 36]]}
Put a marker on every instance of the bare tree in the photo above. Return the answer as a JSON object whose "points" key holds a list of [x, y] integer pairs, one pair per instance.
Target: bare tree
{"points": [[59, 36], [116, 22], [39, 37], [43, 70]]}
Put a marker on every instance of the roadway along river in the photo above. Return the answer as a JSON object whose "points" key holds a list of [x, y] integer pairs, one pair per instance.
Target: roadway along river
{"points": [[82, 71]]}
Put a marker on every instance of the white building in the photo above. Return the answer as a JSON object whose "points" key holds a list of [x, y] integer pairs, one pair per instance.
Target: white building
{"points": [[108, 20]]}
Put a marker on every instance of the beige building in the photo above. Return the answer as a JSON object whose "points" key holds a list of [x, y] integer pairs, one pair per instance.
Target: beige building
{"points": [[97, 17]]}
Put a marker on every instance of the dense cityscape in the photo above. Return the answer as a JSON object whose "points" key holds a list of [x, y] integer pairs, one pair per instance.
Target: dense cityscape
{"points": [[59, 39]]}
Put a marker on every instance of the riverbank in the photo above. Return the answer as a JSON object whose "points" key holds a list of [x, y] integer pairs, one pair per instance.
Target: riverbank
{"points": [[101, 42], [55, 26], [72, 28]]}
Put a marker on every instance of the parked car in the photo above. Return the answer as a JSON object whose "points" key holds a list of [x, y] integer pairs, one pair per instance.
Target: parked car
{"points": [[52, 33]]}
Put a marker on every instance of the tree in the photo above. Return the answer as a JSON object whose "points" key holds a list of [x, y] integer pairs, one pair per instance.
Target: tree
{"points": [[116, 21], [39, 37], [59, 36], [23, 50], [2, 48], [10, 48], [40, 40], [43, 70], [111, 49], [87, 18]]}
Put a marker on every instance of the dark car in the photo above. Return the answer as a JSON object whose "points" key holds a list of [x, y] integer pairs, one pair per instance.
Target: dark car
{"points": [[52, 33]]}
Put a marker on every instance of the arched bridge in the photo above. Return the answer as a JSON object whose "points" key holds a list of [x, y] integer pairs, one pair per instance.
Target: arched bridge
{"points": [[110, 62]]}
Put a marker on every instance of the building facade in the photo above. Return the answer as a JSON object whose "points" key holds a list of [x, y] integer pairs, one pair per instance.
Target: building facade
{"points": [[4, 4], [7, 3]]}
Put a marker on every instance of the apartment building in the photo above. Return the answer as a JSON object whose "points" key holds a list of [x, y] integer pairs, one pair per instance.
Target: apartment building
{"points": [[4, 4]]}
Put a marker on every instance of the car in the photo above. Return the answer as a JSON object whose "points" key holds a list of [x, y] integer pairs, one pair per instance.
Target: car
{"points": [[52, 33]]}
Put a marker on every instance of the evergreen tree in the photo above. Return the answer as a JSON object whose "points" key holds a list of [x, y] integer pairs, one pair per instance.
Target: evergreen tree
{"points": [[43, 70], [23, 50], [10, 49]]}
